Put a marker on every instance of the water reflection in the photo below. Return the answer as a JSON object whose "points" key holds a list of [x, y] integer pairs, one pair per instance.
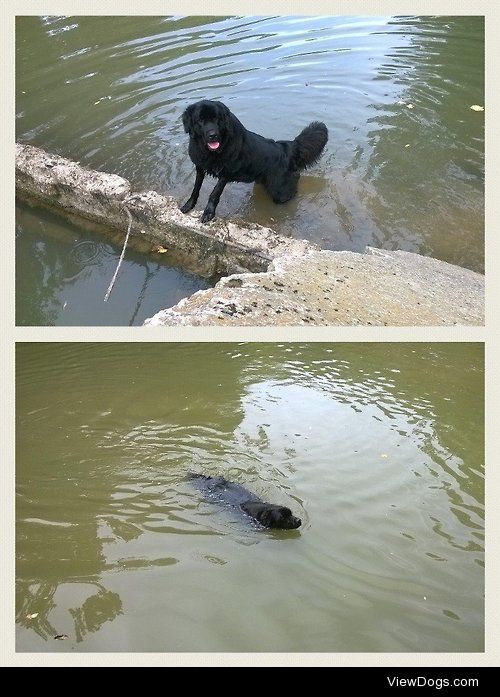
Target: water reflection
{"points": [[63, 270], [99, 607]]}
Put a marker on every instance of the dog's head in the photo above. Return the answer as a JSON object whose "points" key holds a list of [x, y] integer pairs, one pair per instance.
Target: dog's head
{"points": [[271, 515], [208, 122]]}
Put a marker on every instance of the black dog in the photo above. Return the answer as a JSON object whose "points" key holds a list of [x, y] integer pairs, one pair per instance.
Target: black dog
{"points": [[219, 145], [267, 514]]}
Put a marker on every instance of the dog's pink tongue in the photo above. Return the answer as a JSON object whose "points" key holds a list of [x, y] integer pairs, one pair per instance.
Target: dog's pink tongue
{"points": [[214, 145]]}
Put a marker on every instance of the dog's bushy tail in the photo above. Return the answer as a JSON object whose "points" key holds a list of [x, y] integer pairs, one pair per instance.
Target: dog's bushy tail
{"points": [[309, 144]]}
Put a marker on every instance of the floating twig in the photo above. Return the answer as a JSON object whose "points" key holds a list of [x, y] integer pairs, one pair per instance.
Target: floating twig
{"points": [[110, 287]]}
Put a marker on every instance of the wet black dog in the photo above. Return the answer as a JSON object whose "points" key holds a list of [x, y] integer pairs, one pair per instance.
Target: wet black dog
{"points": [[219, 145], [267, 514]]}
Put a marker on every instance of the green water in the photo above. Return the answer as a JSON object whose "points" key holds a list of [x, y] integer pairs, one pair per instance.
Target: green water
{"points": [[377, 447], [109, 92]]}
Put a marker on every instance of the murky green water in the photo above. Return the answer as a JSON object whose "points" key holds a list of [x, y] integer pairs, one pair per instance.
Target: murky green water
{"points": [[378, 448], [109, 92]]}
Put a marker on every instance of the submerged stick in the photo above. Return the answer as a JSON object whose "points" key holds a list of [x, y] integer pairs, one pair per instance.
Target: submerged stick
{"points": [[110, 287]]}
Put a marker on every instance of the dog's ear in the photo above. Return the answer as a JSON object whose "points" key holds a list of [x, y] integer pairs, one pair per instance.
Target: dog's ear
{"points": [[226, 118], [187, 118], [265, 518]]}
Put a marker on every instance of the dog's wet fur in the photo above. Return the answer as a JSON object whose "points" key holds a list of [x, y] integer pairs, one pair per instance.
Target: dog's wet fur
{"points": [[221, 146], [269, 515]]}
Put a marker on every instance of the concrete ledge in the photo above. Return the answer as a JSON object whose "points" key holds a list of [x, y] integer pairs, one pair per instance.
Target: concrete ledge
{"points": [[339, 288], [274, 280], [216, 248]]}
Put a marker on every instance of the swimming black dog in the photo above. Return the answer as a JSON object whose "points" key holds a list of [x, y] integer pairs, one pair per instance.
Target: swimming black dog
{"points": [[219, 145], [267, 514]]}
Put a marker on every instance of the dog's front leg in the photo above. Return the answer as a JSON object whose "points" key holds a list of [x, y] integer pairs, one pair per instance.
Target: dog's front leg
{"points": [[213, 200], [191, 202]]}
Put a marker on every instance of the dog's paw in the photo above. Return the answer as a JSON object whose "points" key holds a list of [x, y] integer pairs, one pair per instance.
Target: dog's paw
{"points": [[188, 206], [207, 215]]}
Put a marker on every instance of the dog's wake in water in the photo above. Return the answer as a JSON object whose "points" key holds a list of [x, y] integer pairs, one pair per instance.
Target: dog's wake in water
{"points": [[269, 515]]}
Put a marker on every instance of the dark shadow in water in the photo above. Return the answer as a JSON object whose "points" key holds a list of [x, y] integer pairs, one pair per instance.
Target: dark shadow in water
{"points": [[63, 269], [103, 606]]}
